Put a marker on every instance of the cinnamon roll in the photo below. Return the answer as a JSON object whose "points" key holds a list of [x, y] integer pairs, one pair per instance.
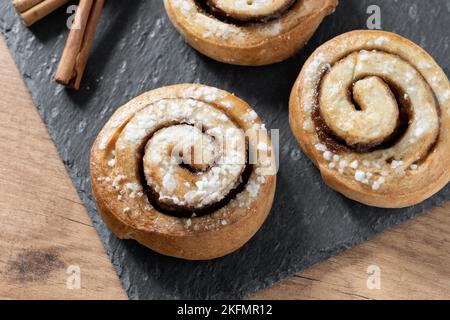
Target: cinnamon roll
{"points": [[372, 111], [185, 170], [248, 32]]}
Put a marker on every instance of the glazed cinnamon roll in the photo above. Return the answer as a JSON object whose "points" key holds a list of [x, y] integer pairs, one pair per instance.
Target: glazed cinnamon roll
{"points": [[372, 111], [248, 32], [185, 170]]}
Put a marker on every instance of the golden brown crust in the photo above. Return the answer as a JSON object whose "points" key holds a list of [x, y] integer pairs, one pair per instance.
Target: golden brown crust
{"points": [[119, 193], [251, 44], [397, 174]]}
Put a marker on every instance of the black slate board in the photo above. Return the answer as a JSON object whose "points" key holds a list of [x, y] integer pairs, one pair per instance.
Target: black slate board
{"points": [[137, 50]]}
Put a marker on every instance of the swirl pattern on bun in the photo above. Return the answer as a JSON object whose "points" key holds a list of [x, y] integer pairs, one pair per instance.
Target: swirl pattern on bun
{"points": [[186, 170], [244, 32], [372, 111]]}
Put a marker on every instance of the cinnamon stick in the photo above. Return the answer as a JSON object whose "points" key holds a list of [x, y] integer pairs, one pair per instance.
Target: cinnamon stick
{"points": [[31, 11], [23, 5], [79, 42]]}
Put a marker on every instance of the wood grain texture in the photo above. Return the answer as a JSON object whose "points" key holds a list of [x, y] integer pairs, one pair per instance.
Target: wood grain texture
{"points": [[44, 229], [413, 258]]}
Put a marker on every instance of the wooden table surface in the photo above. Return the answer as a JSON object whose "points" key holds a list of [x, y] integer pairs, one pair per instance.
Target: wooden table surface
{"points": [[45, 232]]}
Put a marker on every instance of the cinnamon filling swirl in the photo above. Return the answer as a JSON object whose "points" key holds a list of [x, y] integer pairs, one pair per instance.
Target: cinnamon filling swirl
{"points": [[370, 108], [187, 170], [248, 32], [363, 104], [240, 12], [195, 156]]}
